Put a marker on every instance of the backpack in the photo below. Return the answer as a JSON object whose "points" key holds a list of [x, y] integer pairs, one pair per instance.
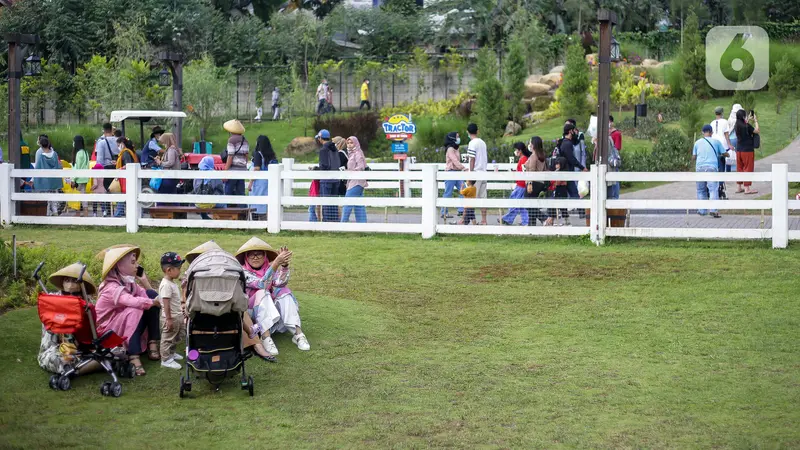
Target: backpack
{"points": [[551, 161], [614, 159]]}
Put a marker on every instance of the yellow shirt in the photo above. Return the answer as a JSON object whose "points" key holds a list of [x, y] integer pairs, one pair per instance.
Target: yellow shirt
{"points": [[469, 192], [364, 92]]}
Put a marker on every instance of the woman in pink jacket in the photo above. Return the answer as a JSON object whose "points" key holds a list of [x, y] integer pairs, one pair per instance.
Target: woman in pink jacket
{"points": [[355, 188], [126, 307]]}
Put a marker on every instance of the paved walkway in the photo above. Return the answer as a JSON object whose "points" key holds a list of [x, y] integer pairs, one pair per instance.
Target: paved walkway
{"points": [[687, 190]]}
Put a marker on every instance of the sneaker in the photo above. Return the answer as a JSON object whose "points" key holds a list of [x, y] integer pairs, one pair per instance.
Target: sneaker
{"points": [[255, 330], [269, 344], [301, 341], [177, 357], [171, 364]]}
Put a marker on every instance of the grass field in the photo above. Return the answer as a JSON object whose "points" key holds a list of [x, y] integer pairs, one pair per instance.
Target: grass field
{"points": [[461, 342]]}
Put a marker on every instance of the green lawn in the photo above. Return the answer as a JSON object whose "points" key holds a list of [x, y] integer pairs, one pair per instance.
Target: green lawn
{"points": [[461, 342]]}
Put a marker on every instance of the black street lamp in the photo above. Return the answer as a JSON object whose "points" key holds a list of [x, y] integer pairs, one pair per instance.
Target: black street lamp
{"points": [[33, 66], [164, 78], [616, 53]]}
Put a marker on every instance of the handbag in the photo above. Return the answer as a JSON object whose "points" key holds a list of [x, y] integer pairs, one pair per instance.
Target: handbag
{"points": [[155, 182], [756, 140]]}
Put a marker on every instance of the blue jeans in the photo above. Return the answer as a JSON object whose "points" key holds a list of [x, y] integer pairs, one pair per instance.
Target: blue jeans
{"points": [[612, 192], [704, 188], [572, 189], [329, 189], [361, 211], [312, 214], [517, 193], [449, 187]]}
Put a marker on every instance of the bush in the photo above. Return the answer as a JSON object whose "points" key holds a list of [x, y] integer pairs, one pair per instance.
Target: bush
{"points": [[669, 108], [431, 132], [364, 126], [576, 84], [429, 108], [646, 127]]}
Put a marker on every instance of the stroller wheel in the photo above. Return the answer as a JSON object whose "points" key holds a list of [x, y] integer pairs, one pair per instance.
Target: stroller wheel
{"points": [[105, 389], [181, 393], [116, 389], [64, 383], [54, 382], [130, 370], [250, 385]]}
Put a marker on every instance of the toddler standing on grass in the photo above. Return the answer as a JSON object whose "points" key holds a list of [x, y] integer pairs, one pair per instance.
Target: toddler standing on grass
{"points": [[173, 328], [470, 191]]}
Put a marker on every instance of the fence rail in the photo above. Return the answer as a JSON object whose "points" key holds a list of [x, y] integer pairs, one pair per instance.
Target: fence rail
{"points": [[423, 208]]}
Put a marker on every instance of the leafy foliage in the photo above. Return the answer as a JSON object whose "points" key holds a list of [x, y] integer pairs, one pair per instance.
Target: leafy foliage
{"points": [[691, 115], [514, 79], [430, 108], [782, 81], [688, 74], [671, 153], [576, 85], [364, 126], [207, 89], [490, 111]]}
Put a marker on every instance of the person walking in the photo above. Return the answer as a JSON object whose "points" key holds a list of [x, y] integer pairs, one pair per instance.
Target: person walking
{"points": [[355, 188], [365, 95], [537, 162], [48, 160], [616, 139], [745, 147], [522, 153], [276, 103], [452, 164], [80, 161], [706, 154], [107, 154], [170, 161], [237, 150], [328, 161], [322, 96], [567, 150], [478, 162], [262, 158]]}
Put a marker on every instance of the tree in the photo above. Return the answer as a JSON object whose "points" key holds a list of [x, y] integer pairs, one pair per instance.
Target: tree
{"points": [[576, 85], [691, 115], [490, 112], [207, 90], [406, 8], [782, 81], [422, 63], [514, 79], [689, 73]]}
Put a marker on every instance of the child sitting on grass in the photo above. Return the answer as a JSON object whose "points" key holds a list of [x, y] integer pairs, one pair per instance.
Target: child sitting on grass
{"points": [[173, 329], [469, 213]]}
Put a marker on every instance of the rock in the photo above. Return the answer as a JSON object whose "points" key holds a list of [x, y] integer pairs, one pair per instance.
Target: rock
{"points": [[649, 63], [533, 79], [591, 59], [557, 69], [536, 89], [551, 79], [301, 146], [465, 108], [513, 129]]}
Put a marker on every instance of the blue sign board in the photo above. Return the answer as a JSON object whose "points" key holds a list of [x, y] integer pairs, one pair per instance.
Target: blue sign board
{"points": [[399, 147]]}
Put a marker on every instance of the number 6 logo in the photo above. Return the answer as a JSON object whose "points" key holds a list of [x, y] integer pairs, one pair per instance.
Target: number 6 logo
{"points": [[737, 58]]}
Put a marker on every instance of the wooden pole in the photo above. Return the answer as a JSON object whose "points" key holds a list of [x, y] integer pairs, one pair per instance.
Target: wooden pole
{"points": [[607, 20]]}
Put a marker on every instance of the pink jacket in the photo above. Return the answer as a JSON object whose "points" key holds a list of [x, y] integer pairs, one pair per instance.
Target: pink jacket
{"points": [[453, 160], [120, 308], [356, 162]]}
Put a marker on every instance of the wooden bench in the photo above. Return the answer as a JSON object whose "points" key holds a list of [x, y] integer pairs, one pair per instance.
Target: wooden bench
{"points": [[176, 212]]}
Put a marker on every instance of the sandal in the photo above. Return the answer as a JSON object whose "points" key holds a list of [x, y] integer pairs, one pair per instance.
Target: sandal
{"points": [[138, 369], [152, 353]]}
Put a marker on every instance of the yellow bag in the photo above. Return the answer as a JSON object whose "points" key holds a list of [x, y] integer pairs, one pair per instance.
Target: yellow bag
{"points": [[115, 188]]}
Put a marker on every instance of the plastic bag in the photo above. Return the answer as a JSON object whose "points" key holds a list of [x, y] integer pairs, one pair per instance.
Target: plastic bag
{"points": [[583, 188], [155, 182]]}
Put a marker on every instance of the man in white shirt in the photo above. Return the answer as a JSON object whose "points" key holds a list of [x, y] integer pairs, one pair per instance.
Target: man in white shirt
{"points": [[478, 162], [322, 95], [721, 131]]}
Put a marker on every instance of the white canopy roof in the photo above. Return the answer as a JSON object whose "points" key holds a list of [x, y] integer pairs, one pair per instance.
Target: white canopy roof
{"points": [[119, 116]]}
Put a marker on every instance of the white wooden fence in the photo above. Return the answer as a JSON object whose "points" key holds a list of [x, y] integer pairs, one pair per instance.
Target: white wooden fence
{"points": [[429, 179]]}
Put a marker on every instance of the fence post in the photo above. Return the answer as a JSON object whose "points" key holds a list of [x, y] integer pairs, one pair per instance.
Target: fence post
{"points": [[6, 188], [780, 205], [274, 208], [288, 186], [602, 212], [406, 184], [430, 192], [133, 186], [594, 228]]}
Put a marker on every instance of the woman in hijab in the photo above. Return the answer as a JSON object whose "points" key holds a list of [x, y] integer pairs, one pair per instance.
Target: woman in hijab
{"points": [[745, 147], [355, 188], [207, 186], [521, 152], [262, 158], [452, 164], [170, 161], [341, 145], [537, 162]]}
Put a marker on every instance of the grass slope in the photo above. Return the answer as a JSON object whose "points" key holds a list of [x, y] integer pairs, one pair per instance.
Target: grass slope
{"points": [[463, 342]]}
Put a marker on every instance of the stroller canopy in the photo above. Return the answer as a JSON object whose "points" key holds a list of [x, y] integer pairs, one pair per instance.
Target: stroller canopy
{"points": [[215, 284]]}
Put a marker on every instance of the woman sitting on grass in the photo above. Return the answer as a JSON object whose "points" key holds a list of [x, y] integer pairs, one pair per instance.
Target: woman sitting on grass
{"points": [[267, 273], [126, 307]]}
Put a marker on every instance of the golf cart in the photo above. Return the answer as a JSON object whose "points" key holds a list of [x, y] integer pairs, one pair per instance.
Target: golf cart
{"points": [[143, 117]]}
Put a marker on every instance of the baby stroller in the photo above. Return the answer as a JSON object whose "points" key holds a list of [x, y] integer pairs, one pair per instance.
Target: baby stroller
{"points": [[215, 302], [69, 314]]}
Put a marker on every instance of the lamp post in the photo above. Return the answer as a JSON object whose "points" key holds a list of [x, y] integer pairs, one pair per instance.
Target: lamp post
{"points": [[607, 20], [33, 67], [174, 62]]}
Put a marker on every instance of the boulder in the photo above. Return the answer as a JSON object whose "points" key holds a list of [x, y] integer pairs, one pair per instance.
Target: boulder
{"points": [[551, 79], [513, 129], [536, 89], [649, 63], [465, 108], [557, 69], [533, 79], [301, 146]]}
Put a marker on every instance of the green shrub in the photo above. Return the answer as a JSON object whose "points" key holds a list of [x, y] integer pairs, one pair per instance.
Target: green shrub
{"points": [[432, 130], [672, 152], [669, 108], [691, 115], [576, 84], [364, 126], [646, 127]]}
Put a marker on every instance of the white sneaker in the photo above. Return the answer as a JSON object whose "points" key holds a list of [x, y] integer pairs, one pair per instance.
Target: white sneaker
{"points": [[301, 341], [177, 357], [269, 345], [171, 364]]}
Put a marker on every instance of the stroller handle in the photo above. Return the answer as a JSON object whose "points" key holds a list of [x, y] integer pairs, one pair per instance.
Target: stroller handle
{"points": [[36, 272], [83, 270]]}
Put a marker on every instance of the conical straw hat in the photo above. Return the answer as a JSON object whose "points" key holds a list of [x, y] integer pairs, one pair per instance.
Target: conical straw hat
{"points": [[102, 254], [233, 126], [200, 249], [114, 255], [255, 244], [73, 271]]}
